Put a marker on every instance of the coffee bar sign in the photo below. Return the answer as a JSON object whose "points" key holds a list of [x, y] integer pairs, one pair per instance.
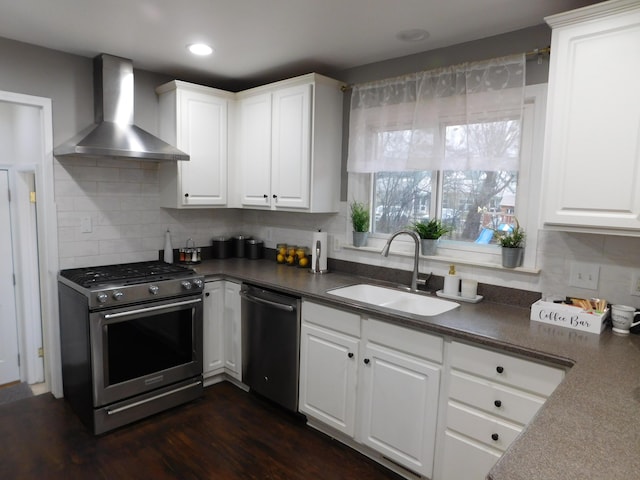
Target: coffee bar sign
{"points": [[568, 316]]}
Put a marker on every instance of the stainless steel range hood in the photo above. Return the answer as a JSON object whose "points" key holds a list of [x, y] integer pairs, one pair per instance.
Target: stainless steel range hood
{"points": [[114, 134]]}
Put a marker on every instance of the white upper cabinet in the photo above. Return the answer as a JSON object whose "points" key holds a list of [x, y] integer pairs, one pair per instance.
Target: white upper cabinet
{"points": [[194, 119], [289, 145], [592, 142]]}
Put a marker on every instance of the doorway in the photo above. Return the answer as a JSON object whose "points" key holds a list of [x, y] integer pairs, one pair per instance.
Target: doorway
{"points": [[28, 242]]}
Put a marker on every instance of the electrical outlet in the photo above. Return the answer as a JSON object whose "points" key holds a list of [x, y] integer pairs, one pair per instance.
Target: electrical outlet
{"points": [[635, 284], [584, 275], [336, 244], [85, 225]]}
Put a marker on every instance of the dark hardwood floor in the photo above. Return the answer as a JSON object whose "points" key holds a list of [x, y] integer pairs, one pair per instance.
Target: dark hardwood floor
{"points": [[227, 434]]}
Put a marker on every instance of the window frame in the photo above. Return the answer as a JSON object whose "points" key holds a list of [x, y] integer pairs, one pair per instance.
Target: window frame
{"points": [[361, 187]]}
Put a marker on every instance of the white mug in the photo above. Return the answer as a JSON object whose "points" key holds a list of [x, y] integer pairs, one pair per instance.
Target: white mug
{"points": [[622, 318]]}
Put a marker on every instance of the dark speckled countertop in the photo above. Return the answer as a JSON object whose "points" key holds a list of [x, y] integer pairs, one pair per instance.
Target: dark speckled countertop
{"points": [[590, 426]]}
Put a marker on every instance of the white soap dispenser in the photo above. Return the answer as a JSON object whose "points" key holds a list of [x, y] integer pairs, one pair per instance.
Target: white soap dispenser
{"points": [[452, 282], [168, 249]]}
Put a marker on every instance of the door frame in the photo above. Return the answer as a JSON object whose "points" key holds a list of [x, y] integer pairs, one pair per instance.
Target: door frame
{"points": [[47, 238]]}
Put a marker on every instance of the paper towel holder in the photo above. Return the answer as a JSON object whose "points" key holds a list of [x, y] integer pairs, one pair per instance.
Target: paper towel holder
{"points": [[316, 259]]}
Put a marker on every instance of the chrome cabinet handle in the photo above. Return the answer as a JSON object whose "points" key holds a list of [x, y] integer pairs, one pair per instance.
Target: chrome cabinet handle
{"points": [[150, 309], [280, 306]]}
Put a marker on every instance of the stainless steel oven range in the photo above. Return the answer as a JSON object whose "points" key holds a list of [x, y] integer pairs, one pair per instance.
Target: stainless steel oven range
{"points": [[131, 338]]}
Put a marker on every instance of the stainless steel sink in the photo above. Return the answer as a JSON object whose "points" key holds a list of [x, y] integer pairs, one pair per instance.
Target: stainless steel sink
{"points": [[398, 300]]}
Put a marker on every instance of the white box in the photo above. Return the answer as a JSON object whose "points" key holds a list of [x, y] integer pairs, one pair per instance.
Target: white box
{"points": [[568, 316]]}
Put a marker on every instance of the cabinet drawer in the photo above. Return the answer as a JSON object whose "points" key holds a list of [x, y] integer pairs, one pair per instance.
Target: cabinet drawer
{"points": [[494, 398], [502, 368], [481, 427], [332, 318], [406, 340], [466, 460]]}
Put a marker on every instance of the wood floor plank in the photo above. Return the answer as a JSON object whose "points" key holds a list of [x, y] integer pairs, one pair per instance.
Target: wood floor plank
{"points": [[227, 435]]}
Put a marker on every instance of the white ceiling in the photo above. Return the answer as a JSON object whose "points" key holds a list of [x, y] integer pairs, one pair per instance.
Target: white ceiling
{"points": [[257, 38]]}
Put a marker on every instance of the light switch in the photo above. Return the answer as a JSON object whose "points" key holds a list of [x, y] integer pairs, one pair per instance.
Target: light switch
{"points": [[584, 275]]}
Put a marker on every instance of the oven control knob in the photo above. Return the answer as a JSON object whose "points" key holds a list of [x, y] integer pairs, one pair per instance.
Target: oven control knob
{"points": [[186, 284], [153, 289], [102, 297], [198, 283], [117, 295]]}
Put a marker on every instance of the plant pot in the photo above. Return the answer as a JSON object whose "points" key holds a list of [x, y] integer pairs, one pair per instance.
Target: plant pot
{"points": [[360, 239], [512, 257], [429, 246]]}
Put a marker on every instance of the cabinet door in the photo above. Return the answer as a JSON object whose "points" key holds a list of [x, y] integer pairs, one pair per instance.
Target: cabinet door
{"points": [[592, 144], [400, 406], [328, 367], [213, 314], [291, 158], [202, 133], [255, 150], [231, 328]]}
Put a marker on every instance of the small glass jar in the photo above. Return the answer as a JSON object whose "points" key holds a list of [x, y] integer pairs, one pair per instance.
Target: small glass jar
{"points": [[281, 252]]}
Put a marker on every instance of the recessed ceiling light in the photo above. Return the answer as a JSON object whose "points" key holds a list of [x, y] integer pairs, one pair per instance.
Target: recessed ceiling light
{"points": [[413, 35], [200, 49]]}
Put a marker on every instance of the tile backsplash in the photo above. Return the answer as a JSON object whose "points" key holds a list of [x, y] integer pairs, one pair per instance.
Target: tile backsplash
{"points": [[118, 200]]}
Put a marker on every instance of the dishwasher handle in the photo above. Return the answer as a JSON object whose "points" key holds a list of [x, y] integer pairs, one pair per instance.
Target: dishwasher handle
{"points": [[278, 305]]}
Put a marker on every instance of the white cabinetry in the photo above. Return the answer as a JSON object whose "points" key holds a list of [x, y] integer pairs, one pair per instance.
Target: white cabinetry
{"points": [[592, 142], [232, 324], [289, 145], [194, 119], [221, 329], [329, 356], [491, 397], [373, 381], [213, 317], [400, 391]]}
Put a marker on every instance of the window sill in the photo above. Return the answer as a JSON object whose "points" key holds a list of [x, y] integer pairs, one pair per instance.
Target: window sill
{"points": [[449, 260]]}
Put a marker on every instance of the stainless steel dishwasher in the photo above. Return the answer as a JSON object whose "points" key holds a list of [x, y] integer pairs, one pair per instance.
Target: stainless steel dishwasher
{"points": [[271, 344]]}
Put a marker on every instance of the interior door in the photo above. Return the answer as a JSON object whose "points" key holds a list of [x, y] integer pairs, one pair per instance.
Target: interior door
{"points": [[9, 367]]}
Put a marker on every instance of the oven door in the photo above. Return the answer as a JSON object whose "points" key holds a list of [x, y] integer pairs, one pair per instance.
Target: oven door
{"points": [[140, 348]]}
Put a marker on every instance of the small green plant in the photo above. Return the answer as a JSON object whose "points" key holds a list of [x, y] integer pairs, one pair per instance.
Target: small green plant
{"points": [[360, 216], [432, 229], [514, 238]]}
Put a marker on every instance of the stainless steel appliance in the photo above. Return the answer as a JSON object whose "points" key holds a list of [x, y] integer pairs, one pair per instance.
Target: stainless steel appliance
{"points": [[131, 338], [271, 344]]}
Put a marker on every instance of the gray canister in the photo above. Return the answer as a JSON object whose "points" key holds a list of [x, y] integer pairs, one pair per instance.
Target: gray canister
{"points": [[239, 245], [254, 248], [221, 247]]}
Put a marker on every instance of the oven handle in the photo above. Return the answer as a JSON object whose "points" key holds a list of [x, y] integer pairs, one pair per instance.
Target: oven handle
{"points": [[112, 411], [281, 306], [128, 313]]}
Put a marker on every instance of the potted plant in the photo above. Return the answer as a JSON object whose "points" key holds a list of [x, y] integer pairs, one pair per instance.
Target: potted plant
{"points": [[360, 222], [430, 232], [512, 243]]}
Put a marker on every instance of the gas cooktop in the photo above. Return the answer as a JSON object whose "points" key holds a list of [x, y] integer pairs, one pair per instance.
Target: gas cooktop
{"points": [[125, 274]]}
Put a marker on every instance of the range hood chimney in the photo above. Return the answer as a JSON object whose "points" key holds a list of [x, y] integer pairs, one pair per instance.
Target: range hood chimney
{"points": [[114, 134]]}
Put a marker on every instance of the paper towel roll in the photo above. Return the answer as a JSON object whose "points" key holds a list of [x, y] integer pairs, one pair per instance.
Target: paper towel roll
{"points": [[319, 264]]}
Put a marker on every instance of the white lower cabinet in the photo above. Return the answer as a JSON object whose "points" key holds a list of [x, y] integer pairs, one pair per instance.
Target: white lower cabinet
{"points": [[231, 328], [221, 329], [399, 406], [491, 396], [372, 381], [401, 397]]}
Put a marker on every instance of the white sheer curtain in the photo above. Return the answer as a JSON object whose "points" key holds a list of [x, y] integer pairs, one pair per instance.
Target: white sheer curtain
{"points": [[398, 124]]}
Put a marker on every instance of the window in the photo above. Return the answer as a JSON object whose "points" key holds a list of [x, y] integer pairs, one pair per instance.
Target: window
{"points": [[471, 203], [427, 190]]}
